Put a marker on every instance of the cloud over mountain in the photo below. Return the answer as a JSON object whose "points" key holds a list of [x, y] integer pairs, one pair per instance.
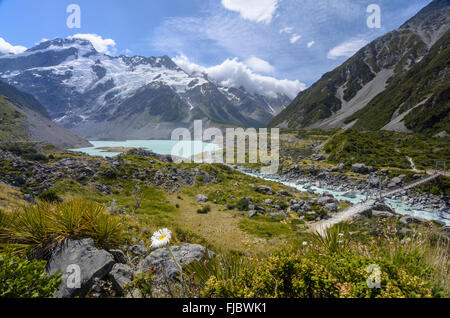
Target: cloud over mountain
{"points": [[100, 44], [234, 73], [259, 65], [7, 48]]}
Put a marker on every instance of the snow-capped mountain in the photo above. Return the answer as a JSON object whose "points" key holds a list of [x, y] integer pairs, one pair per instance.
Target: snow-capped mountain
{"points": [[100, 96]]}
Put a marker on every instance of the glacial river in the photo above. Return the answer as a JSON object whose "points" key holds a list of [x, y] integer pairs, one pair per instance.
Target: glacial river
{"points": [[398, 206]]}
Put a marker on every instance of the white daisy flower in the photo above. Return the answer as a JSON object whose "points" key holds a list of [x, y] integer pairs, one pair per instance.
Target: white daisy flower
{"points": [[305, 243], [161, 238]]}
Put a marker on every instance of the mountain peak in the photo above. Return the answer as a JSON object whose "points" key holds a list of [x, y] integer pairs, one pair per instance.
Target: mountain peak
{"points": [[63, 43], [431, 22], [159, 62]]}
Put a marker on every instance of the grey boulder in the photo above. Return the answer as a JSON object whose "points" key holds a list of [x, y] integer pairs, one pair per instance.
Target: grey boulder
{"points": [[412, 219], [92, 263], [163, 262], [380, 206], [201, 198], [264, 190], [332, 207], [374, 181], [138, 250], [120, 276], [382, 214], [360, 168]]}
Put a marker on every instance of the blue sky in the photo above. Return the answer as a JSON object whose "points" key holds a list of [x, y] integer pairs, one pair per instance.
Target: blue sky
{"points": [[297, 40]]}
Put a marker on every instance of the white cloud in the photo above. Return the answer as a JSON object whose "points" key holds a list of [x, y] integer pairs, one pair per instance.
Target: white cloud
{"points": [[188, 66], [295, 38], [233, 73], [101, 45], [346, 49], [287, 30], [253, 10], [259, 65], [42, 41], [310, 44], [7, 48]]}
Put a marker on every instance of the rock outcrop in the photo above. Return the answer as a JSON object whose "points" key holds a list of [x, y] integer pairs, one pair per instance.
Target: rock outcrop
{"points": [[82, 258], [163, 262]]}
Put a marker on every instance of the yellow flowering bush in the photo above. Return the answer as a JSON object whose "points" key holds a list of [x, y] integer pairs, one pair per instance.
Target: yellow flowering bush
{"points": [[292, 274]]}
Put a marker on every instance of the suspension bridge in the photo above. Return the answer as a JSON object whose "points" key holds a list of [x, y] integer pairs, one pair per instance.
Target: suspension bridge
{"points": [[321, 226]]}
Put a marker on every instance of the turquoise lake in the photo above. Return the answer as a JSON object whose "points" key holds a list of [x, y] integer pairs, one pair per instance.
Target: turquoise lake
{"points": [[161, 147]]}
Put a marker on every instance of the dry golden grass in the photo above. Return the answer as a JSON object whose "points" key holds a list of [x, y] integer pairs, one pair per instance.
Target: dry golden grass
{"points": [[10, 198], [220, 229]]}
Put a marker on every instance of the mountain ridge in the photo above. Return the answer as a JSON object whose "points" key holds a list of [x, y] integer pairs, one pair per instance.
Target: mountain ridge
{"points": [[332, 102]]}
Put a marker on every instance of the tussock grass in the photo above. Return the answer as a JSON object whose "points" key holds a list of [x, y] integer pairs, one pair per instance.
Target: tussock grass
{"points": [[44, 224], [423, 255], [335, 239], [221, 267], [5, 222]]}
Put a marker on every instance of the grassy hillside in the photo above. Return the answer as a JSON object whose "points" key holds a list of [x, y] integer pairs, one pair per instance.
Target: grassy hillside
{"points": [[20, 122], [22, 98], [430, 78], [387, 149], [320, 101], [11, 128]]}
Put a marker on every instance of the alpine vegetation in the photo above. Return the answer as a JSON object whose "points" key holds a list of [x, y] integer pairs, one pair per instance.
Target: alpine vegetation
{"points": [[226, 149]]}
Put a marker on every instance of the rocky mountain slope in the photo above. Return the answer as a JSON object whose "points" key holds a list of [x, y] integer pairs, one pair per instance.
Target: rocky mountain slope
{"points": [[19, 122], [398, 82], [99, 96]]}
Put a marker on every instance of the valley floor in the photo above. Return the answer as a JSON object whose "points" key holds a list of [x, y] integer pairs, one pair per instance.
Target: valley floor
{"points": [[243, 219]]}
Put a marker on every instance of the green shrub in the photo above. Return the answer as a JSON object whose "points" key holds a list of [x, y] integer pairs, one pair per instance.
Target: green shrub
{"points": [[295, 275], [27, 151], [281, 275], [242, 205], [49, 196], [143, 284], [20, 278], [204, 210]]}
